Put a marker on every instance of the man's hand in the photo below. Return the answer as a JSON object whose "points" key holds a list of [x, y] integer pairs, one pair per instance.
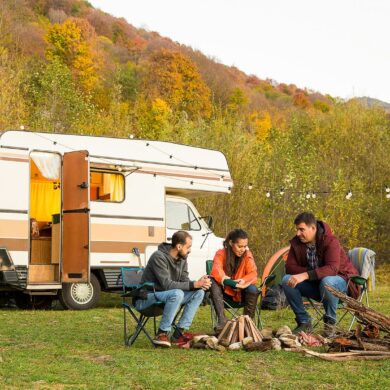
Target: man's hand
{"points": [[204, 283], [296, 279]]}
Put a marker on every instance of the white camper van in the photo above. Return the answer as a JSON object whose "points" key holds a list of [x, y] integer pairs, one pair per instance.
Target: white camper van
{"points": [[75, 209]]}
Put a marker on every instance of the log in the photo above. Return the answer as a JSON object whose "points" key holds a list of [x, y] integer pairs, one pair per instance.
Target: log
{"points": [[365, 314], [235, 335], [241, 329], [256, 335], [335, 357], [224, 330], [260, 346], [230, 334], [247, 329], [358, 344]]}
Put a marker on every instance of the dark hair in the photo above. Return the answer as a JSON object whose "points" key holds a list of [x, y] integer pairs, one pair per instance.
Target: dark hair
{"points": [[305, 217], [234, 236], [180, 237]]}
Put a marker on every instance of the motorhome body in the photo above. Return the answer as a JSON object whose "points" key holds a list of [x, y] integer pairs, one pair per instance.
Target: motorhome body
{"points": [[75, 209]]}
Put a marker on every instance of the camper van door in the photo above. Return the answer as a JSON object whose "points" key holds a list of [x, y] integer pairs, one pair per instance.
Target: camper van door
{"points": [[75, 217]]}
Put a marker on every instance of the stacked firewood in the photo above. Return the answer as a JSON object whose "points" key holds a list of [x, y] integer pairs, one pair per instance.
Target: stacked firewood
{"points": [[235, 331], [365, 343], [242, 333]]}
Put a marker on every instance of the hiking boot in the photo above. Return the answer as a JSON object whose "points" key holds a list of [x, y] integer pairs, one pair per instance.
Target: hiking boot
{"points": [[216, 293], [162, 340], [251, 303], [306, 327], [219, 327], [330, 329]]}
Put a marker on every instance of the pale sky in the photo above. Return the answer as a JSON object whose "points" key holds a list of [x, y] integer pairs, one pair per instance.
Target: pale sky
{"points": [[340, 47]]}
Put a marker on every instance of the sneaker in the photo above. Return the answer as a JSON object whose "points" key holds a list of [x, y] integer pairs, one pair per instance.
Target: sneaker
{"points": [[306, 327], [162, 340], [181, 342]]}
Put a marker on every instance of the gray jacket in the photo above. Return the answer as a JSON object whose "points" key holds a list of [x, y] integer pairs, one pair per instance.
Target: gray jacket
{"points": [[165, 272]]}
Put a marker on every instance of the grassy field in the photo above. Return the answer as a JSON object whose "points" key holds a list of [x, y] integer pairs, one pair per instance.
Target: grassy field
{"points": [[60, 349]]}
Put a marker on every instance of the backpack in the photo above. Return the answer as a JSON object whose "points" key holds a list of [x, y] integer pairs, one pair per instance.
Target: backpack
{"points": [[274, 298]]}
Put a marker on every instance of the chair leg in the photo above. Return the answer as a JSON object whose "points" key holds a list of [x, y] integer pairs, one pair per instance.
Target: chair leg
{"points": [[124, 325], [140, 327], [141, 323]]}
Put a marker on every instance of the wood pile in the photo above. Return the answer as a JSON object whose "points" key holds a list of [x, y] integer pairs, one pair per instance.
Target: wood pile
{"points": [[237, 330], [364, 313], [242, 333]]}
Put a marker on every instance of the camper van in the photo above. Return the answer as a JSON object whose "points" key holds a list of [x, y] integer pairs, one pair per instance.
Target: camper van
{"points": [[74, 209]]}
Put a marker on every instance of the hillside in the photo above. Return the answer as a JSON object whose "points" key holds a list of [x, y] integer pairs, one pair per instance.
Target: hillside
{"points": [[67, 67]]}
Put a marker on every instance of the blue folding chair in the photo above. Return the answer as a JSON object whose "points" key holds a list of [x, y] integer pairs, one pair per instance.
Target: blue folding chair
{"points": [[131, 287]]}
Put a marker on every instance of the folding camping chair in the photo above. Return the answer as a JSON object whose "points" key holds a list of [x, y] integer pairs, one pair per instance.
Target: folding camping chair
{"points": [[131, 285], [364, 261], [233, 307]]}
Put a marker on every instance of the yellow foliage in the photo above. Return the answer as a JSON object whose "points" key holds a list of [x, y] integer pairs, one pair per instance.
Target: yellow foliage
{"points": [[262, 124], [67, 44], [160, 111], [175, 78]]}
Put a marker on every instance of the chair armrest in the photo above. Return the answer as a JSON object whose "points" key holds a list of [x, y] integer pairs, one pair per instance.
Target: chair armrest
{"points": [[358, 280]]}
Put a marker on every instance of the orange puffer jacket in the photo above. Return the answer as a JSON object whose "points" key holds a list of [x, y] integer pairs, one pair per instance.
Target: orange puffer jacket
{"points": [[247, 270]]}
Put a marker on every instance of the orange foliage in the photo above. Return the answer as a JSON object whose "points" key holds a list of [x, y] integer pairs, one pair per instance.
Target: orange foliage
{"points": [[174, 78]]}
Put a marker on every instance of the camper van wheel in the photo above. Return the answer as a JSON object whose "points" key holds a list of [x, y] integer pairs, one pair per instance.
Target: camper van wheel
{"points": [[80, 296], [25, 301]]}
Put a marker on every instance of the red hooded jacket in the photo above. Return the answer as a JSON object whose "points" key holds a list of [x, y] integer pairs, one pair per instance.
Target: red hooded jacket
{"points": [[332, 258]]}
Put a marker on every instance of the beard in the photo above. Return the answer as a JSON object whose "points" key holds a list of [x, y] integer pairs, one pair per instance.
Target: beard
{"points": [[183, 256]]}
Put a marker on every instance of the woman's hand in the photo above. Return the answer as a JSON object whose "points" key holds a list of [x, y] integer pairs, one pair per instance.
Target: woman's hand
{"points": [[241, 284]]}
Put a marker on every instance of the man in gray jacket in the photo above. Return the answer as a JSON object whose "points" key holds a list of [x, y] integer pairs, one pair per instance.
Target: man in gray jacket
{"points": [[168, 270]]}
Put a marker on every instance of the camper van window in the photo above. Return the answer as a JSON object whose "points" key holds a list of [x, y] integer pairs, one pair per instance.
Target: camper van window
{"points": [[107, 187], [181, 217]]}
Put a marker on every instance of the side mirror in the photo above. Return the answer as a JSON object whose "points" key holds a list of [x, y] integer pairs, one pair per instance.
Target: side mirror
{"points": [[209, 221]]}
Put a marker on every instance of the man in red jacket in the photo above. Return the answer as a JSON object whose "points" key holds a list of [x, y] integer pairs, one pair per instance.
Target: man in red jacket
{"points": [[316, 259]]}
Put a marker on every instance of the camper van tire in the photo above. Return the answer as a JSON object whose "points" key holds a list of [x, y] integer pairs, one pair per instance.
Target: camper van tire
{"points": [[80, 296]]}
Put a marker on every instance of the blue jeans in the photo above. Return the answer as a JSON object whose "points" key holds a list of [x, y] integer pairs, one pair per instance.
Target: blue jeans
{"points": [[315, 290], [173, 300]]}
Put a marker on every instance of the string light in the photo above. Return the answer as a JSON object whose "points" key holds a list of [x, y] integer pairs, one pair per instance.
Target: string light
{"points": [[250, 186], [348, 195], [387, 189], [281, 191], [307, 196], [221, 178], [313, 195], [268, 194]]}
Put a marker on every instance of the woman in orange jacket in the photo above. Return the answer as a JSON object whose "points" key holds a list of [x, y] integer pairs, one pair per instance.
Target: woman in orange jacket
{"points": [[234, 276]]}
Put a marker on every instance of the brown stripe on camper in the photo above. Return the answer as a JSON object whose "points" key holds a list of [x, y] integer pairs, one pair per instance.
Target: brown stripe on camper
{"points": [[13, 229], [110, 232], [119, 247], [14, 244], [13, 157]]}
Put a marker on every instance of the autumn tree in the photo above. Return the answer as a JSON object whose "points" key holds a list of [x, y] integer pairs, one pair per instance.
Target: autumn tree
{"points": [[172, 77], [70, 43]]}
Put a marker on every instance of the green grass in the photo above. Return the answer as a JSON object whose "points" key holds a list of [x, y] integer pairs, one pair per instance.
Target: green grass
{"points": [[60, 349]]}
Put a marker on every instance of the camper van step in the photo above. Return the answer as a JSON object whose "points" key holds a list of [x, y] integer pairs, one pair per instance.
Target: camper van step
{"points": [[45, 292], [43, 286]]}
